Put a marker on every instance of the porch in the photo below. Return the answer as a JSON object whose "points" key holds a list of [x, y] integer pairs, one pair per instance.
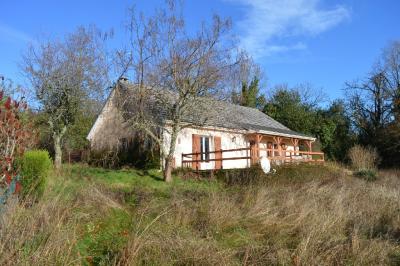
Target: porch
{"points": [[278, 149]]}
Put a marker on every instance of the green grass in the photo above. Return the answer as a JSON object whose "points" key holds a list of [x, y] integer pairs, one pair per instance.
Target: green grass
{"points": [[125, 179], [102, 237], [304, 214]]}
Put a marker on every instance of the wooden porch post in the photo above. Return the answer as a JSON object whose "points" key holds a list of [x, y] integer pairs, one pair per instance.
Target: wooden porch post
{"points": [[182, 161], [309, 145], [258, 140], [278, 141], [270, 147], [295, 143]]}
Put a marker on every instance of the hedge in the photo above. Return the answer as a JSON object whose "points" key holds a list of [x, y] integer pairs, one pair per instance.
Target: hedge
{"points": [[35, 166]]}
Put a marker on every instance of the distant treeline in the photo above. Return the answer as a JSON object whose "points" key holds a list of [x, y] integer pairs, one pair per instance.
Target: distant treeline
{"points": [[369, 114]]}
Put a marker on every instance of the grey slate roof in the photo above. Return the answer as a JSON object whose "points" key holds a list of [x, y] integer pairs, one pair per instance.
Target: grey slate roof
{"points": [[223, 114], [234, 116]]}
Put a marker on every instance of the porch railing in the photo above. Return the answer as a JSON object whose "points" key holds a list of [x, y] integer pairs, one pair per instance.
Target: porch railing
{"points": [[187, 158], [253, 154], [290, 155]]}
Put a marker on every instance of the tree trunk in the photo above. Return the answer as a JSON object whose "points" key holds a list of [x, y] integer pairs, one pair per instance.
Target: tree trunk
{"points": [[57, 151], [168, 169], [170, 156], [57, 138]]}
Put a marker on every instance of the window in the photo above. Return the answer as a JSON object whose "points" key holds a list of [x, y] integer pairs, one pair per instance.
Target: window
{"points": [[205, 148]]}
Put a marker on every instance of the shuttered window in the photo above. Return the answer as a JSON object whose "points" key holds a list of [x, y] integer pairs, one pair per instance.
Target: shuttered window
{"points": [[205, 148]]}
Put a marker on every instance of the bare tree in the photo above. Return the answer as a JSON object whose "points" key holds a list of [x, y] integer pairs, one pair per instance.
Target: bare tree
{"points": [[370, 104], [65, 76], [374, 105], [310, 95], [390, 67], [173, 70], [376, 100], [244, 73]]}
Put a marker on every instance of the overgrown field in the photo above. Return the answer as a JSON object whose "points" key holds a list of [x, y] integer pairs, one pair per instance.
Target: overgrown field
{"points": [[303, 215]]}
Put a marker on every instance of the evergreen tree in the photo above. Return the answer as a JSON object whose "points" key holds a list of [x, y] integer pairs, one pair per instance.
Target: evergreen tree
{"points": [[330, 126], [333, 129], [250, 94], [286, 106]]}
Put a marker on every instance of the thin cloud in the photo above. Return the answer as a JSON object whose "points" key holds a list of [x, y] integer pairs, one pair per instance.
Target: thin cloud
{"points": [[269, 22], [10, 34], [272, 49]]}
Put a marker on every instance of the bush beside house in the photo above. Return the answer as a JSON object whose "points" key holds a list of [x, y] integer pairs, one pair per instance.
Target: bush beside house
{"points": [[35, 166]]}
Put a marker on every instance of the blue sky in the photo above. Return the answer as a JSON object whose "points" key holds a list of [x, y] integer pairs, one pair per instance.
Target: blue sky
{"points": [[322, 42]]}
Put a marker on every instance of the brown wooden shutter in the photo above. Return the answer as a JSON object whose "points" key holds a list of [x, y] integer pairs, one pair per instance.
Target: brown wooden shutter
{"points": [[218, 154], [195, 149]]}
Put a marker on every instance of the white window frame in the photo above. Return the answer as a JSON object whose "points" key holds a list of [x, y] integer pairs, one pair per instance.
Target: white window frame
{"points": [[205, 153]]}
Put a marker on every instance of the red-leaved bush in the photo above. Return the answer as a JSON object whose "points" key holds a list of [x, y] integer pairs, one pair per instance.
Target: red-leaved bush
{"points": [[15, 137]]}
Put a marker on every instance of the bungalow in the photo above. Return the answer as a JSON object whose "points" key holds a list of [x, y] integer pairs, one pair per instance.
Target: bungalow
{"points": [[237, 137]]}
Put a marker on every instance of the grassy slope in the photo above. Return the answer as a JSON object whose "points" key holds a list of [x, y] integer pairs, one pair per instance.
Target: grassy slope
{"points": [[302, 215]]}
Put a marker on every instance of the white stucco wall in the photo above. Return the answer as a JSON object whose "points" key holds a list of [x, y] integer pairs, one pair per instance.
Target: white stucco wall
{"points": [[229, 140]]}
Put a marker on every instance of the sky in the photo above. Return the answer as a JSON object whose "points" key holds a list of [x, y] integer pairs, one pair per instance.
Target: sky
{"points": [[321, 42]]}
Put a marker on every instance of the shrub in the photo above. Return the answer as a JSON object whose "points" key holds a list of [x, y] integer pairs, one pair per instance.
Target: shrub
{"points": [[35, 166], [15, 136], [188, 173], [246, 176], [138, 155], [363, 158], [304, 172], [116, 158], [104, 158], [367, 175]]}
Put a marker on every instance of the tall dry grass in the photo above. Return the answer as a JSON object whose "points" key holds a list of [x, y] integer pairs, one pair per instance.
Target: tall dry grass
{"points": [[363, 158], [39, 234], [46, 232], [333, 219]]}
